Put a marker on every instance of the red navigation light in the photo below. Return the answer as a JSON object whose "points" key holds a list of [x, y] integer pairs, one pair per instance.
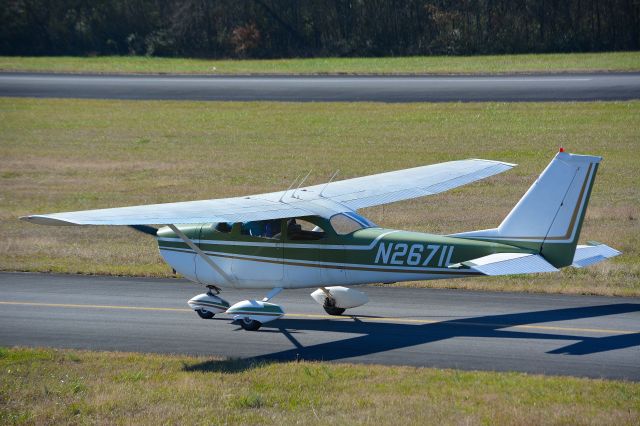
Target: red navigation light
{"points": [[561, 149]]}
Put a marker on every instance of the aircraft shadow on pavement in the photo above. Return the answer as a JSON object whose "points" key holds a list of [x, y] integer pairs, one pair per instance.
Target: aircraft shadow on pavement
{"points": [[375, 337]]}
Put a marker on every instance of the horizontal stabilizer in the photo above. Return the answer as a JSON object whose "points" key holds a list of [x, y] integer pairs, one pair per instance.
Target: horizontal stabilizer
{"points": [[509, 264], [592, 253]]}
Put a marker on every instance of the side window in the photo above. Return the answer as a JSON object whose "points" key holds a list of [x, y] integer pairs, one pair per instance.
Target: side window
{"points": [[224, 227], [343, 224], [261, 228], [303, 230]]}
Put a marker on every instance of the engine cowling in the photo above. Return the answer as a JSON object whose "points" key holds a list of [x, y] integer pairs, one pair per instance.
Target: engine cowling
{"points": [[344, 297]]}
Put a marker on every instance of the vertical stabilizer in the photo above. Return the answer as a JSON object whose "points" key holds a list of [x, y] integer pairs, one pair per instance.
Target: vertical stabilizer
{"points": [[549, 216]]}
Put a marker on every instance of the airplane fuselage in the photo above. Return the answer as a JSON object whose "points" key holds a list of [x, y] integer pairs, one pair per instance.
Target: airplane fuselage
{"points": [[368, 255]]}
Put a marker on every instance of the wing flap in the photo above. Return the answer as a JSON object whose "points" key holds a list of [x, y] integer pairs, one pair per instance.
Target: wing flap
{"points": [[509, 264], [592, 253]]}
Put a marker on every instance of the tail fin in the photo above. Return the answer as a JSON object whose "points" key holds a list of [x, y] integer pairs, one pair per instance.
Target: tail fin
{"points": [[549, 216]]}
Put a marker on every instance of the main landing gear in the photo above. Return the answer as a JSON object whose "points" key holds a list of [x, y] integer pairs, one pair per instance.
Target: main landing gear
{"points": [[249, 314], [208, 304], [204, 314], [249, 324]]}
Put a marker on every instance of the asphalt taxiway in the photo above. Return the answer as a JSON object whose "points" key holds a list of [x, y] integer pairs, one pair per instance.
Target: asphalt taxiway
{"points": [[503, 88], [535, 333]]}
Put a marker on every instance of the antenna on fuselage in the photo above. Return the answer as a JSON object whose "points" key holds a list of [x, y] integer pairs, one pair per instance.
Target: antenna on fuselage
{"points": [[290, 186], [300, 184], [330, 180]]}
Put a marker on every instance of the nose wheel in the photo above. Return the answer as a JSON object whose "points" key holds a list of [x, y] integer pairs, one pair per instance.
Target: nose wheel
{"points": [[330, 307]]}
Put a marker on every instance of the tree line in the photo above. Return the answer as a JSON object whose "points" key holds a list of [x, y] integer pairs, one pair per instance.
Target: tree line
{"points": [[315, 28]]}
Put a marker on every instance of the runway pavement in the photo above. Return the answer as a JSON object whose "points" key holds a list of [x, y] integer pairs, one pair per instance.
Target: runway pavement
{"points": [[507, 88], [551, 334]]}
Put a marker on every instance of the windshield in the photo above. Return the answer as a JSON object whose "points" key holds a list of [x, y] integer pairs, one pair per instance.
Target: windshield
{"points": [[346, 223]]}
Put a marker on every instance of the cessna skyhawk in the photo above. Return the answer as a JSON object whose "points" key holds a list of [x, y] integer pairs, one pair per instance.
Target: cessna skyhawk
{"points": [[313, 237]]}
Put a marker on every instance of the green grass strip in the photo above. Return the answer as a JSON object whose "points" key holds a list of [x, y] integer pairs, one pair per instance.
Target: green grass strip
{"points": [[43, 386], [62, 155], [494, 64]]}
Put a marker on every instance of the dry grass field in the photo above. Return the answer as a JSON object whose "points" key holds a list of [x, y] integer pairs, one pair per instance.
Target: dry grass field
{"points": [[494, 64], [39, 386], [58, 155]]}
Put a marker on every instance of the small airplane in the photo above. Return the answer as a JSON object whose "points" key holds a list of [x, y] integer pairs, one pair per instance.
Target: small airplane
{"points": [[313, 237]]}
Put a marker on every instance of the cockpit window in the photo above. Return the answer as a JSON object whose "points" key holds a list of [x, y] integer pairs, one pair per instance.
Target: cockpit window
{"points": [[300, 229], [344, 223]]}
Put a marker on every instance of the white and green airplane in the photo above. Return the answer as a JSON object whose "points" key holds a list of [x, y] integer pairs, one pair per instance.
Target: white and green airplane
{"points": [[313, 237]]}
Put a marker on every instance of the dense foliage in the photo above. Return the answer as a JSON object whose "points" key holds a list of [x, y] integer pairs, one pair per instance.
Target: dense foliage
{"points": [[291, 28]]}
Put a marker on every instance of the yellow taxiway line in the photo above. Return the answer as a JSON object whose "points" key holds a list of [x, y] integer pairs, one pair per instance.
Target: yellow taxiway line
{"points": [[347, 317]]}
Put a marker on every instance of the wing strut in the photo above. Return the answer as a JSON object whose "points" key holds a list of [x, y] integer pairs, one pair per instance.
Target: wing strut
{"points": [[203, 255]]}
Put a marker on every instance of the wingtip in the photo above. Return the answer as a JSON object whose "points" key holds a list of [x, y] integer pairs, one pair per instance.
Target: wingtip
{"points": [[45, 220], [504, 163]]}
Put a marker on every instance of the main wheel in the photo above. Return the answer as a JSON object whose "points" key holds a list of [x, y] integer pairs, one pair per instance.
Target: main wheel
{"points": [[249, 324], [204, 314]]}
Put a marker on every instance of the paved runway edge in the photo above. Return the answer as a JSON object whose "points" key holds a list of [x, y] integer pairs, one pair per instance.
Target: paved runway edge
{"points": [[550, 334], [458, 88]]}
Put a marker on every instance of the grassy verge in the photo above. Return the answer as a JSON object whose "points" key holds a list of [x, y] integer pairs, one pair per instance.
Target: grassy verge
{"points": [[40, 386], [531, 63], [60, 155]]}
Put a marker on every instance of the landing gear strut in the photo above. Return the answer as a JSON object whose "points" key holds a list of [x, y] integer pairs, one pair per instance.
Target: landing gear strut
{"points": [[212, 290]]}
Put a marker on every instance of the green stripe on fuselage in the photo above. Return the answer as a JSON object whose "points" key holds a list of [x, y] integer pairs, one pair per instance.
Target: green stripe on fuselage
{"points": [[394, 248]]}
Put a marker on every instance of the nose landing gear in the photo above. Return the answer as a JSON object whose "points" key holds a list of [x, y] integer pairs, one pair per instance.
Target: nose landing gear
{"points": [[335, 300], [330, 307]]}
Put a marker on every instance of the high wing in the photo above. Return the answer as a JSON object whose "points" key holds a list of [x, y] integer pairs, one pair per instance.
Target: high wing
{"points": [[384, 188], [321, 200]]}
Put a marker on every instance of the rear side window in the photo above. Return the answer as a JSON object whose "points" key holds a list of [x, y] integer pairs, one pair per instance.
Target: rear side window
{"points": [[261, 228]]}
